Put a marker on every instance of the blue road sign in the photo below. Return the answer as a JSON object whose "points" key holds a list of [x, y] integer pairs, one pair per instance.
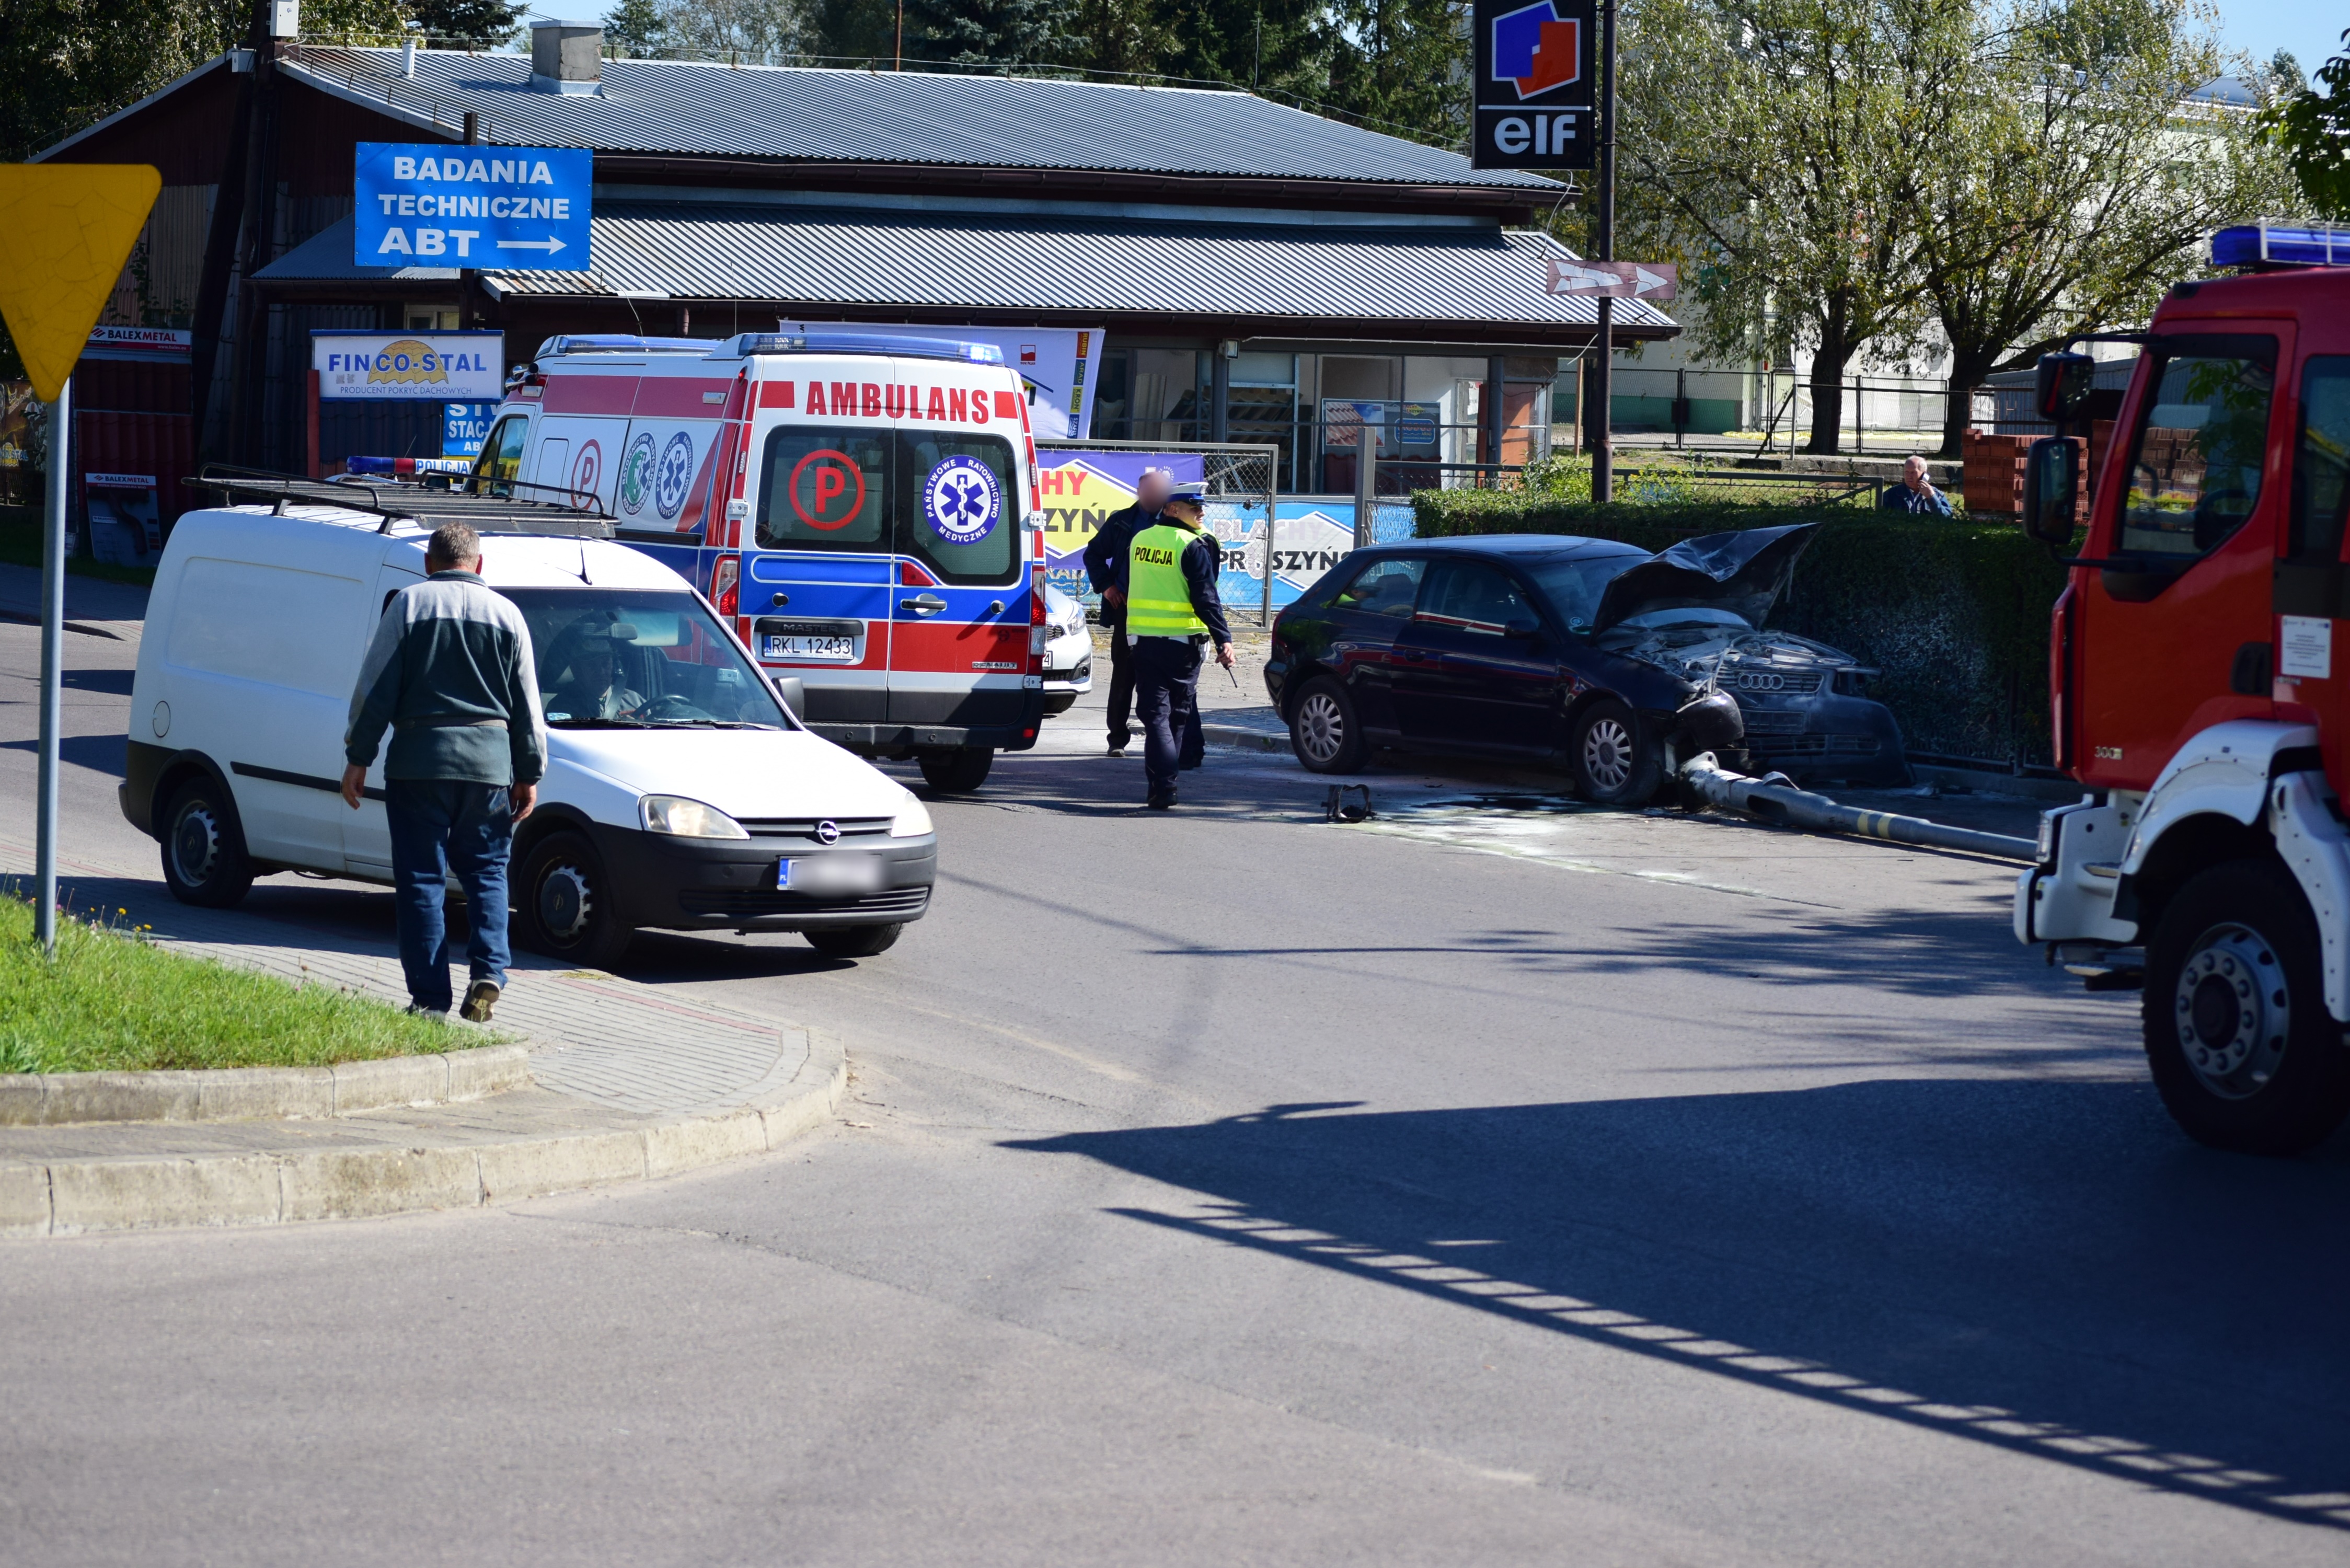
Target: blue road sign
{"points": [[445, 205], [465, 428]]}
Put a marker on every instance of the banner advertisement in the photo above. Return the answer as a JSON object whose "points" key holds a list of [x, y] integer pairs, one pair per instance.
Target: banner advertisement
{"points": [[1059, 365], [425, 367]]}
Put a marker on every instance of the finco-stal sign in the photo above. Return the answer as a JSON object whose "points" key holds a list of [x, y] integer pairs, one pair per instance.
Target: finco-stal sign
{"points": [[412, 366]]}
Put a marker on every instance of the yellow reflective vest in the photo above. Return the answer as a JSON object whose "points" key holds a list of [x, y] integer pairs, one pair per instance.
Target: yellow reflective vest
{"points": [[1157, 599]]}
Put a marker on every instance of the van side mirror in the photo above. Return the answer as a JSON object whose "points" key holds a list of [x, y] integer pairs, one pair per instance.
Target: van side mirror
{"points": [[2051, 480], [2063, 384]]}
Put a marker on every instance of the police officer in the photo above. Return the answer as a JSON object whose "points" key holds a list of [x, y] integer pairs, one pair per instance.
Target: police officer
{"points": [[1105, 568], [1172, 611]]}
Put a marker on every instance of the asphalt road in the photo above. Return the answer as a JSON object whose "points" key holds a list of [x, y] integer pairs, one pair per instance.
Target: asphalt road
{"points": [[1488, 1183]]}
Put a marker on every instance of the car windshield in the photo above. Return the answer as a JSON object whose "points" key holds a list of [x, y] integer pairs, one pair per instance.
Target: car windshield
{"points": [[1573, 584], [639, 659]]}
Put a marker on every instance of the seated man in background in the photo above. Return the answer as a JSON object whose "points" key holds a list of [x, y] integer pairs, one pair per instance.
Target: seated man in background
{"points": [[1916, 494], [589, 689]]}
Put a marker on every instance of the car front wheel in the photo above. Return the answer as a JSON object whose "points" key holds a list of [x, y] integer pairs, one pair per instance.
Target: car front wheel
{"points": [[2237, 1034], [1324, 730], [854, 941], [565, 905], [1615, 763]]}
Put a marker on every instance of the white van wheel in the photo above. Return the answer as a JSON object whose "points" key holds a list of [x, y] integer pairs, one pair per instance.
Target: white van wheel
{"points": [[565, 904], [204, 861]]}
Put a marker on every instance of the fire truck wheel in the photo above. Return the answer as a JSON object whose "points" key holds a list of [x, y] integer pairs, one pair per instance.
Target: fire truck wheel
{"points": [[854, 941], [958, 772], [563, 904], [2236, 1027], [204, 861]]}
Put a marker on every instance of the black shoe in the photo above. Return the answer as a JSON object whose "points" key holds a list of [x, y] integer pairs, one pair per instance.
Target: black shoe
{"points": [[1118, 748], [480, 997], [418, 1009], [1161, 802]]}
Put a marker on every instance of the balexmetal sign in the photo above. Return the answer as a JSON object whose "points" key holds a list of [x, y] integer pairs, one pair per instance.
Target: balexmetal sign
{"points": [[436, 204], [1535, 83], [410, 367], [1654, 281]]}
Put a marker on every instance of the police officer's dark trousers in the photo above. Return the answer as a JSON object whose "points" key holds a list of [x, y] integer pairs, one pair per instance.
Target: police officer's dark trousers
{"points": [[1167, 703]]}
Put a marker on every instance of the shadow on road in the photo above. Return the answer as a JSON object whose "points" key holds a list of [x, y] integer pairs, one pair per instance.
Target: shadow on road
{"points": [[98, 753], [2048, 1268]]}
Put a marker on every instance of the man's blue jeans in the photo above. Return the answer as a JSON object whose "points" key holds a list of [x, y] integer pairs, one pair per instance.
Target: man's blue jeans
{"points": [[437, 827]]}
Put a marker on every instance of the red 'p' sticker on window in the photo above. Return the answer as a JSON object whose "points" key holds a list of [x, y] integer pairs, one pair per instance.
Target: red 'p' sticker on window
{"points": [[819, 484]]}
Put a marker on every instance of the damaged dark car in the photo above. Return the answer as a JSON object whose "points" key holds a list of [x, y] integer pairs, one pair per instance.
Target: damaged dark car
{"points": [[1617, 663]]}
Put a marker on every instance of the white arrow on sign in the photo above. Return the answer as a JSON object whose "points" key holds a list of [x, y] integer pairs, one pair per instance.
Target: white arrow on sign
{"points": [[549, 245], [1646, 282], [1612, 280]]}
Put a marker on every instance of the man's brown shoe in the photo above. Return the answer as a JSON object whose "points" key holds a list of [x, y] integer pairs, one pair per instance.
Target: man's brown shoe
{"points": [[480, 997]]}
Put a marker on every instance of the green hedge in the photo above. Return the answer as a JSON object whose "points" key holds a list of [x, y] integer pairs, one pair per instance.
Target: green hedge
{"points": [[1954, 614]]}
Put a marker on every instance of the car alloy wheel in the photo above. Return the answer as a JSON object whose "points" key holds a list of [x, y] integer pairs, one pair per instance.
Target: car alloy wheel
{"points": [[2233, 1011], [1607, 759], [1321, 727]]}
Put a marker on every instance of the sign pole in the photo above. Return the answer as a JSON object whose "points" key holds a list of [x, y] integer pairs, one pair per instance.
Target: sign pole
{"points": [[52, 635], [1603, 456]]}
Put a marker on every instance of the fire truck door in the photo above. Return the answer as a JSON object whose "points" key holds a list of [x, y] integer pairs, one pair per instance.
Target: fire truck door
{"points": [[2177, 635], [2312, 584]]}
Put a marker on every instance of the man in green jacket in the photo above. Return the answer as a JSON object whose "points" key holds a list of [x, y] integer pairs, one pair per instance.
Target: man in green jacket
{"points": [[1172, 611], [450, 674]]}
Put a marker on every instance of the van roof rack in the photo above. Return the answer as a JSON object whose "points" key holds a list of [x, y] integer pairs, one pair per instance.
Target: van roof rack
{"points": [[426, 506]]}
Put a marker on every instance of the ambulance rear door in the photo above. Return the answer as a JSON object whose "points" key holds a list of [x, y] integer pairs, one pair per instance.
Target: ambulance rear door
{"points": [[582, 427], [959, 657], [817, 576]]}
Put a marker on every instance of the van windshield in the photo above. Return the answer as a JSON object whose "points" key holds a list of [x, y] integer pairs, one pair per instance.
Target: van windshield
{"points": [[639, 659]]}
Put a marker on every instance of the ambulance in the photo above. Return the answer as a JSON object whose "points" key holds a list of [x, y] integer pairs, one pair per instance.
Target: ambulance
{"points": [[861, 507]]}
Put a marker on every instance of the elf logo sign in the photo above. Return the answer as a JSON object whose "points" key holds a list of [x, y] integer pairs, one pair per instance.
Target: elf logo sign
{"points": [[1535, 77]]}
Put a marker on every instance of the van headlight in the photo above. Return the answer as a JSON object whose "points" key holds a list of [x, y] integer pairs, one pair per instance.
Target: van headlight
{"points": [[913, 820], [687, 818]]}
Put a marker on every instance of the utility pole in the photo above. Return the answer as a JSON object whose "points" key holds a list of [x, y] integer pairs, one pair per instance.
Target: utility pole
{"points": [[901, 64], [1603, 456]]}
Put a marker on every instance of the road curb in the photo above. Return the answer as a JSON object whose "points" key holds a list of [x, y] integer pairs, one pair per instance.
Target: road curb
{"points": [[70, 1197], [261, 1094], [1243, 736]]}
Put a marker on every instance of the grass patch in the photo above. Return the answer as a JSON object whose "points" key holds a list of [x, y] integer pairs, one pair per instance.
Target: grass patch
{"points": [[20, 545], [115, 1002]]}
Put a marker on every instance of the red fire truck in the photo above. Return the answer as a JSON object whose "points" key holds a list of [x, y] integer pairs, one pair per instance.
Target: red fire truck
{"points": [[860, 505], [2198, 696]]}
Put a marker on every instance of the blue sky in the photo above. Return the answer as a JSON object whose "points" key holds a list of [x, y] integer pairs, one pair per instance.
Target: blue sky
{"points": [[2312, 29]]}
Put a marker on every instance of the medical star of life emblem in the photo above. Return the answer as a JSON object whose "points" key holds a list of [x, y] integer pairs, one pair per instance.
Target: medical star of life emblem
{"points": [[962, 500]]}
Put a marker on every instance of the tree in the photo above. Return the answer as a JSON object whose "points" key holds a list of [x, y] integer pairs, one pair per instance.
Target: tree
{"points": [[2078, 180], [637, 27], [1402, 63], [1007, 33], [847, 30], [1776, 144], [755, 31], [475, 22], [2313, 130]]}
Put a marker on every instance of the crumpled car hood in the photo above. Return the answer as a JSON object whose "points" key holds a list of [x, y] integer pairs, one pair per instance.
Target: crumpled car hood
{"points": [[1697, 651], [1743, 572]]}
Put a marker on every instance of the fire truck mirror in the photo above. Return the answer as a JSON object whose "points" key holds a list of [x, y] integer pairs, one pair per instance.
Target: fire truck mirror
{"points": [[2051, 479], [2064, 384]]}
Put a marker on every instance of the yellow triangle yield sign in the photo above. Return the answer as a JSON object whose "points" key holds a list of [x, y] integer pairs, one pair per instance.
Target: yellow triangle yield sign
{"points": [[65, 231]]}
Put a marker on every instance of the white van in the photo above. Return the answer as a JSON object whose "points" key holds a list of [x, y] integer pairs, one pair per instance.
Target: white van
{"points": [[702, 804]]}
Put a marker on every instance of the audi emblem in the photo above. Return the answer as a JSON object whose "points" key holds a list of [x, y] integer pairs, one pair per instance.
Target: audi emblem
{"points": [[1756, 681], [827, 832]]}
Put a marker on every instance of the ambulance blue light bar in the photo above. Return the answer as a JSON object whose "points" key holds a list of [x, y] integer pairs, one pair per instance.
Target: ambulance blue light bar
{"points": [[865, 343], [2280, 244], [620, 343]]}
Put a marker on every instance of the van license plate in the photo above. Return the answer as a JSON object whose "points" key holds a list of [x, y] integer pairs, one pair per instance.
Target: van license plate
{"points": [[830, 650]]}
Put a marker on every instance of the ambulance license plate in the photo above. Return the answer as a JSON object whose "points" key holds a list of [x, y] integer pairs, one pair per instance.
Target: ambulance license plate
{"points": [[829, 650]]}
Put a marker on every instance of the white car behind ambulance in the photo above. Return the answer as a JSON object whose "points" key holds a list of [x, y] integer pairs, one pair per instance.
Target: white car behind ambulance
{"points": [[685, 795], [862, 506]]}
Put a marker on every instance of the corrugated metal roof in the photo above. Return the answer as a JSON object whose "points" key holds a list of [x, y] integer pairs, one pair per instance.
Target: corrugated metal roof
{"points": [[883, 117], [1322, 277]]}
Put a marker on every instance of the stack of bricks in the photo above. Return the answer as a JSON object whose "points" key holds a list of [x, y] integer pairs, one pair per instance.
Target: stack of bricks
{"points": [[1992, 473]]}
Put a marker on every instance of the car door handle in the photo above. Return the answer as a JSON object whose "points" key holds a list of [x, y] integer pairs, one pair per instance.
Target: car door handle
{"points": [[922, 603]]}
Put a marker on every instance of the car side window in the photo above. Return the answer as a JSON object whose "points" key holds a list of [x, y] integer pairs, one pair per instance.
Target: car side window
{"points": [[1473, 596], [2321, 460], [1388, 588], [2196, 455]]}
